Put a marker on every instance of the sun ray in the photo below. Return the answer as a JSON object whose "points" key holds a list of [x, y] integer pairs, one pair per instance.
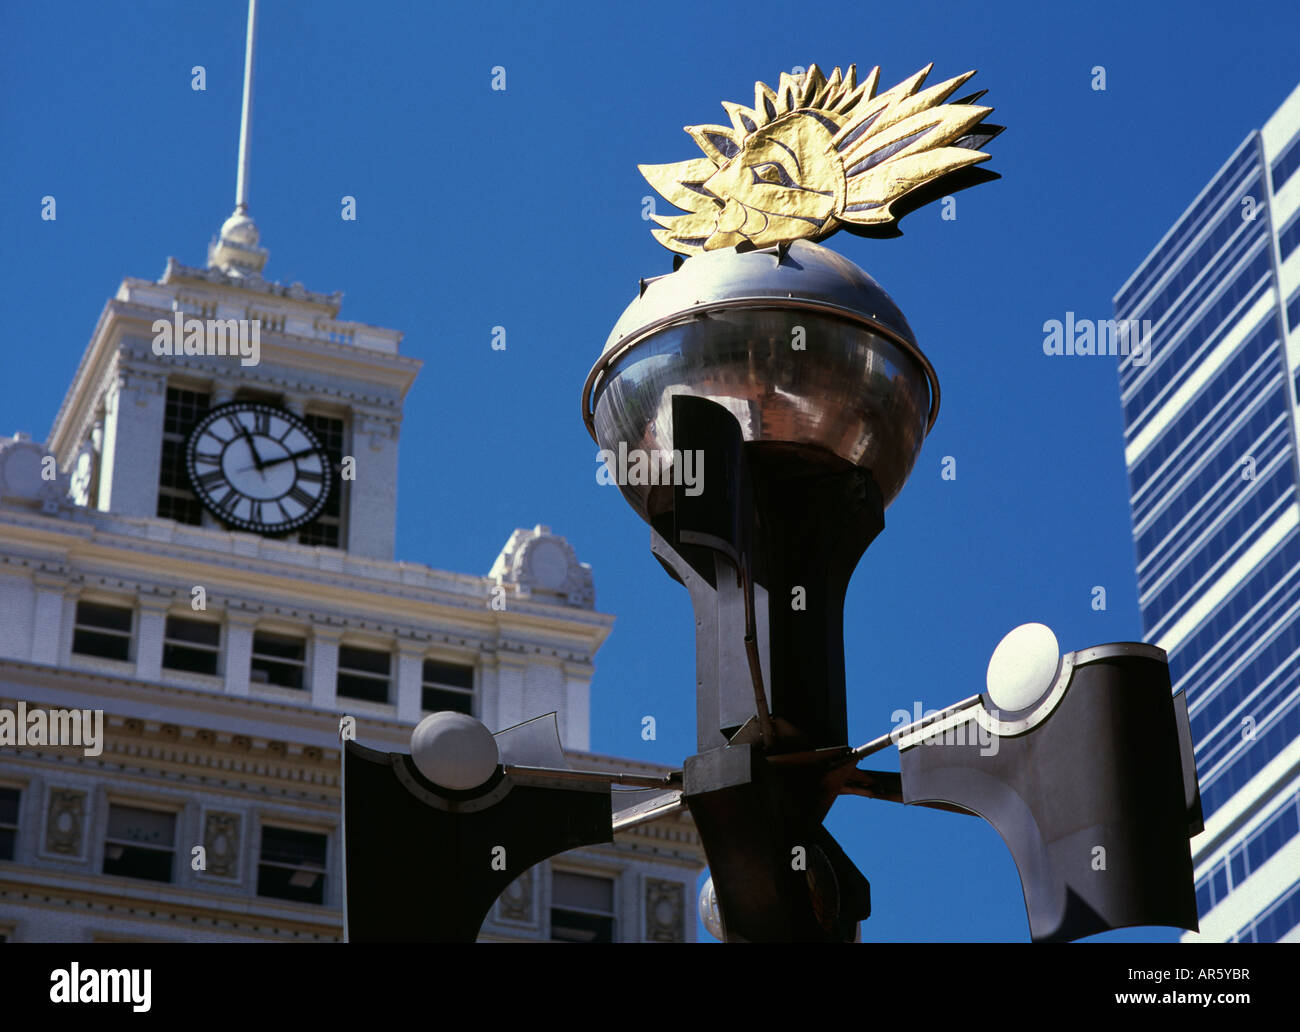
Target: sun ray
{"points": [[888, 182], [744, 120], [718, 142], [677, 182]]}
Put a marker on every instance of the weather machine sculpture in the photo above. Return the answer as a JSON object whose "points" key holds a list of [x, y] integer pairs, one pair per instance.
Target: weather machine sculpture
{"points": [[795, 387]]}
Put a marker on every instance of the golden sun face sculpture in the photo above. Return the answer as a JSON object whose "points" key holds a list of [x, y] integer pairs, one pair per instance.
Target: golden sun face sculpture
{"points": [[816, 155]]}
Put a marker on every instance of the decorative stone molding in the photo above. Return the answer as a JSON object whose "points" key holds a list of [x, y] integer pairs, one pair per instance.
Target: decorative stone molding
{"points": [[542, 565], [139, 382], [168, 918], [159, 600], [23, 479], [64, 822], [380, 429], [177, 271], [51, 578], [516, 903], [221, 836], [665, 906]]}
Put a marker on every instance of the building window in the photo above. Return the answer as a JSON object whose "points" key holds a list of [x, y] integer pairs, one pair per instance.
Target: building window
{"points": [[447, 686], [102, 630], [8, 822], [292, 865], [582, 908], [363, 673], [175, 499], [327, 528], [191, 645], [278, 659], [139, 843]]}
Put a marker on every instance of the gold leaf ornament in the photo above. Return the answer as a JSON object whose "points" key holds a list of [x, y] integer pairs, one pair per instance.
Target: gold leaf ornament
{"points": [[820, 154]]}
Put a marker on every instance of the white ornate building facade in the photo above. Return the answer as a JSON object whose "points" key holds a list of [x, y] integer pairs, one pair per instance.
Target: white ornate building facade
{"points": [[223, 634]]}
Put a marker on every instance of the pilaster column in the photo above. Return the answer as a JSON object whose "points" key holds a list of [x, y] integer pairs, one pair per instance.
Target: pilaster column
{"points": [[149, 637], [577, 699], [47, 616], [486, 705], [372, 519], [324, 666], [410, 679], [512, 671], [133, 424], [239, 650]]}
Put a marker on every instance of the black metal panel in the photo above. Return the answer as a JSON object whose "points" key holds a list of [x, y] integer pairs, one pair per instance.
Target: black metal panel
{"points": [[422, 869], [720, 515], [1092, 803], [797, 520], [778, 874]]}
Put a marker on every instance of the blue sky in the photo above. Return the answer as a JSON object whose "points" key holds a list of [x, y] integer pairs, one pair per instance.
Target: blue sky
{"points": [[522, 208]]}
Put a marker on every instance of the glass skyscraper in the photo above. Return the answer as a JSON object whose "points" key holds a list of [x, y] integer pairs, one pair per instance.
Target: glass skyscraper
{"points": [[1211, 420]]}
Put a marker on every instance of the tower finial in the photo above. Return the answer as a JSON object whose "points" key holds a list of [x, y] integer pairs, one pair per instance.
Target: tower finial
{"points": [[246, 116], [236, 252]]}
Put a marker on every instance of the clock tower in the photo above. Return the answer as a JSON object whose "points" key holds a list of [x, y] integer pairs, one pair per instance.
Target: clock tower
{"points": [[141, 429]]}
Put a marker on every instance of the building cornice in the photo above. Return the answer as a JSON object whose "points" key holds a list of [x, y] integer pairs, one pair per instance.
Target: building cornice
{"points": [[163, 907], [215, 279], [192, 711], [245, 573]]}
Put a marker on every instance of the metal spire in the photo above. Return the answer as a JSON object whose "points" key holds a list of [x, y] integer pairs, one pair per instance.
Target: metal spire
{"points": [[236, 252], [246, 118]]}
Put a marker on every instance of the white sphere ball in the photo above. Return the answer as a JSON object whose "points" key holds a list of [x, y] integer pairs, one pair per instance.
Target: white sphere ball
{"points": [[454, 750], [1023, 667], [241, 229]]}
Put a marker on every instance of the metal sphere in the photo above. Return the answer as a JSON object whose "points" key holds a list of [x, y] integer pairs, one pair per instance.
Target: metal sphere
{"points": [[709, 913], [454, 750], [1023, 667], [803, 347], [240, 229]]}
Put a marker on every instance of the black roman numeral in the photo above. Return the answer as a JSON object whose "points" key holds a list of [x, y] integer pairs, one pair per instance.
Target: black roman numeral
{"points": [[310, 475], [211, 457], [213, 479], [262, 422], [302, 497], [255, 513]]}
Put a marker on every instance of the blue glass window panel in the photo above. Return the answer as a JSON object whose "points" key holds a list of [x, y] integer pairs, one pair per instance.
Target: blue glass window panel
{"points": [[1223, 185], [1288, 161]]}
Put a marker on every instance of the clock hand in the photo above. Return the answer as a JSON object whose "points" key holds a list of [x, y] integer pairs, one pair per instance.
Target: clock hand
{"points": [[257, 459], [286, 458], [282, 458]]}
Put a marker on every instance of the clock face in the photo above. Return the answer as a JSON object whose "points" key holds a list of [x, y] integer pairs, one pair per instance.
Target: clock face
{"points": [[258, 467]]}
